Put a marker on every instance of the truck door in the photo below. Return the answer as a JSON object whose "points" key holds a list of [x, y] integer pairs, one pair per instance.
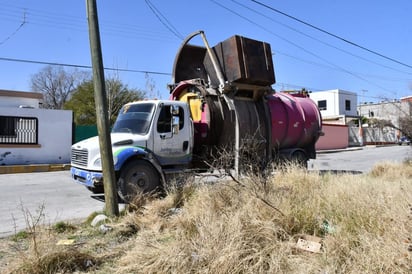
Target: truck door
{"points": [[172, 140]]}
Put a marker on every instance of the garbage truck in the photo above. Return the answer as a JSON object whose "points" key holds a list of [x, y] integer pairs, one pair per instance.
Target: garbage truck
{"points": [[221, 106]]}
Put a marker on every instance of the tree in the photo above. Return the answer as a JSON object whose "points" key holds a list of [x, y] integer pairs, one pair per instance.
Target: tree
{"points": [[83, 106], [151, 89], [57, 84]]}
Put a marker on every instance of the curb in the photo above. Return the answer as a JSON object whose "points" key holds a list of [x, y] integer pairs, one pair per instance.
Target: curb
{"points": [[33, 168], [338, 150]]}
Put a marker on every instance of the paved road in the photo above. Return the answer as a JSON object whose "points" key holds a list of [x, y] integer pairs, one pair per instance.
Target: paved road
{"points": [[27, 192], [360, 160], [65, 200]]}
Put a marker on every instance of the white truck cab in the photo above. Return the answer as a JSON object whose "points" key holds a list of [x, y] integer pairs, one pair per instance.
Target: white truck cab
{"points": [[148, 138]]}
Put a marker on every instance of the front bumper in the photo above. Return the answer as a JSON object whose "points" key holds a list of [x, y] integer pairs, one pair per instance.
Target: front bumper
{"points": [[86, 177]]}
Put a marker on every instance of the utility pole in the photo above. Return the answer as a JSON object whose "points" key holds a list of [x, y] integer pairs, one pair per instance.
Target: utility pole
{"points": [[109, 179], [361, 133]]}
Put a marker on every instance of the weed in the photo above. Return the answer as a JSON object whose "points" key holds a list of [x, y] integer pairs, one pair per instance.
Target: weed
{"points": [[61, 227], [246, 226], [60, 262], [21, 235]]}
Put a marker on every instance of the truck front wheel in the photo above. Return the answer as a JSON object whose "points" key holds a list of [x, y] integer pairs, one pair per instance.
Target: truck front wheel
{"points": [[136, 177]]}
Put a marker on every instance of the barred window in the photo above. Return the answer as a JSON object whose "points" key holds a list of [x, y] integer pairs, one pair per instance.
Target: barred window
{"points": [[18, 130]]}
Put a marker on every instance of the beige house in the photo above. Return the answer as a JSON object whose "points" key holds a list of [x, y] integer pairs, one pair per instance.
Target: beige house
{"points": [[390, 111]]}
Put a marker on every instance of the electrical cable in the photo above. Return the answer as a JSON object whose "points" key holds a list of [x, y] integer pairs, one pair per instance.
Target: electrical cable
{"points": [[15, 31], [331, 34], [162, 18], [80, 66], [316, 39], [301, 48]]}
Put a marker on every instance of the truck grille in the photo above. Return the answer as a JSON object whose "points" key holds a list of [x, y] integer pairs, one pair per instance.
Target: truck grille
{"points": [[79, 157]]}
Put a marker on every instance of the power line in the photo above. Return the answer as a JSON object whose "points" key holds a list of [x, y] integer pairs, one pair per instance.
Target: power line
{"points": [[164, 20], [318, 40], [80, 66], [16, 30], [301, 47], [61, 21], [333, 35], [380, 77]]}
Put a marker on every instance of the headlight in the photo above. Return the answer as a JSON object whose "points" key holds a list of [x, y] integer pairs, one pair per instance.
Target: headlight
{"points": [[97, 163]]}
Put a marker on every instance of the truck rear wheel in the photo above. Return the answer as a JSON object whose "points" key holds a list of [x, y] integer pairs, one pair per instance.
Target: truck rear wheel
{"points": [[136, 177], [300, 159]]}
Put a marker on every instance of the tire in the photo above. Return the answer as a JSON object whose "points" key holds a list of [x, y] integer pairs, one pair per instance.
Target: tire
{"points": [[299, 157], [137, 176]]}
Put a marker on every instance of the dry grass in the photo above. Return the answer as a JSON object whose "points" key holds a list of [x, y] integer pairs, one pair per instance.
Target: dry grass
{"points": [[365, 222]]}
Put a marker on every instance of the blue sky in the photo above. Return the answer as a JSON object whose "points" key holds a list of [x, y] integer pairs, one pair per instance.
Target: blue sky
{"points": [[134, 38]]}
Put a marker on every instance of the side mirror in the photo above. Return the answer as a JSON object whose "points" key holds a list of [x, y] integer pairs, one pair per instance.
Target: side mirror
{"points": [[174, 110]]}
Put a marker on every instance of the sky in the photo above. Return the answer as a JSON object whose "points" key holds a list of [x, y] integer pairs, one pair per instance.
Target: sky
{"points": [[359, 46]]}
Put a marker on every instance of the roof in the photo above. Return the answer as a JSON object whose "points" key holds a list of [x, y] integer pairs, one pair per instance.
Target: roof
{"points": [[21, 94]]}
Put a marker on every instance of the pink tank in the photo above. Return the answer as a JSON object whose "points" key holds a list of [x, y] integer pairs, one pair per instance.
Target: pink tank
{"points": [[288, 121]]}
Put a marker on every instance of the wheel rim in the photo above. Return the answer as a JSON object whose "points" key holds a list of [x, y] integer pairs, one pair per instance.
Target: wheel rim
{"points": [[136, 178], [137, 181]]}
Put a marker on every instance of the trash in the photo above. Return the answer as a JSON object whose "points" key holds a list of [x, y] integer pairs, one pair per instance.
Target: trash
{"points": [[327, 227], [105, 228], [66, 242], [98, 219], [88, 263], [309, 243], [174, 211]]}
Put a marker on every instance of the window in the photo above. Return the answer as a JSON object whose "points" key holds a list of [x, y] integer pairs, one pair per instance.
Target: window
{"points": [[164, 124], [347, 104], [322, 105], [18, 130], [134, 118]]}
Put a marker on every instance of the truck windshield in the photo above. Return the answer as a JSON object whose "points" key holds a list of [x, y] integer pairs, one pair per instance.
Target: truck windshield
{"points": [[134, 118]]}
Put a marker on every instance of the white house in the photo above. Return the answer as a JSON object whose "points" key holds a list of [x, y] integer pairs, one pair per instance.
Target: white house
{"points": [[336, 104], [338, 109], [31, 135]]}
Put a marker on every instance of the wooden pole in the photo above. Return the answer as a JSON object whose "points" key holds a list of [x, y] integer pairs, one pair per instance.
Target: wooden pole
{"points": [[103, 128]]}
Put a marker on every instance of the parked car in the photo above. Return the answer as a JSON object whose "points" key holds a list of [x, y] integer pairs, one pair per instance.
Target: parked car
{"points": [[404, 140]]}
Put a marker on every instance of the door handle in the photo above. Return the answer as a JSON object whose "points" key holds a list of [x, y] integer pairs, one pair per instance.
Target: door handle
{"points": [[185, 145]]}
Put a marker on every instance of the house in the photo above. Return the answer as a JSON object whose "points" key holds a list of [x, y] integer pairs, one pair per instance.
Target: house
{"points": [[30, 134], [387, 110], [338, 110], [342, 115], [336, 106]]}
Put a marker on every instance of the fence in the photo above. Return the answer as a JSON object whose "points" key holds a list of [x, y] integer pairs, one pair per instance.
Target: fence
{"points": [[372, 135]]}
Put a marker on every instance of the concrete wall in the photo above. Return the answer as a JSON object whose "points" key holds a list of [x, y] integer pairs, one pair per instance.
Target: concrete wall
{"points": [[335, 102], [336, 137], [54, 138]]}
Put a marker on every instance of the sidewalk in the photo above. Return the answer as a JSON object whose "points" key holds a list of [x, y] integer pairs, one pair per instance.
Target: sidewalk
{"points": [[33, 168]]}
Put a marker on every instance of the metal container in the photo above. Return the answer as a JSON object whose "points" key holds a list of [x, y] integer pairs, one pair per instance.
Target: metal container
{"points": [[243, 60]]}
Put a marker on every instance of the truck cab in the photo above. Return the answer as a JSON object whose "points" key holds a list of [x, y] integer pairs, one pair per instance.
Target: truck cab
{"points": [[148, 138]]}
